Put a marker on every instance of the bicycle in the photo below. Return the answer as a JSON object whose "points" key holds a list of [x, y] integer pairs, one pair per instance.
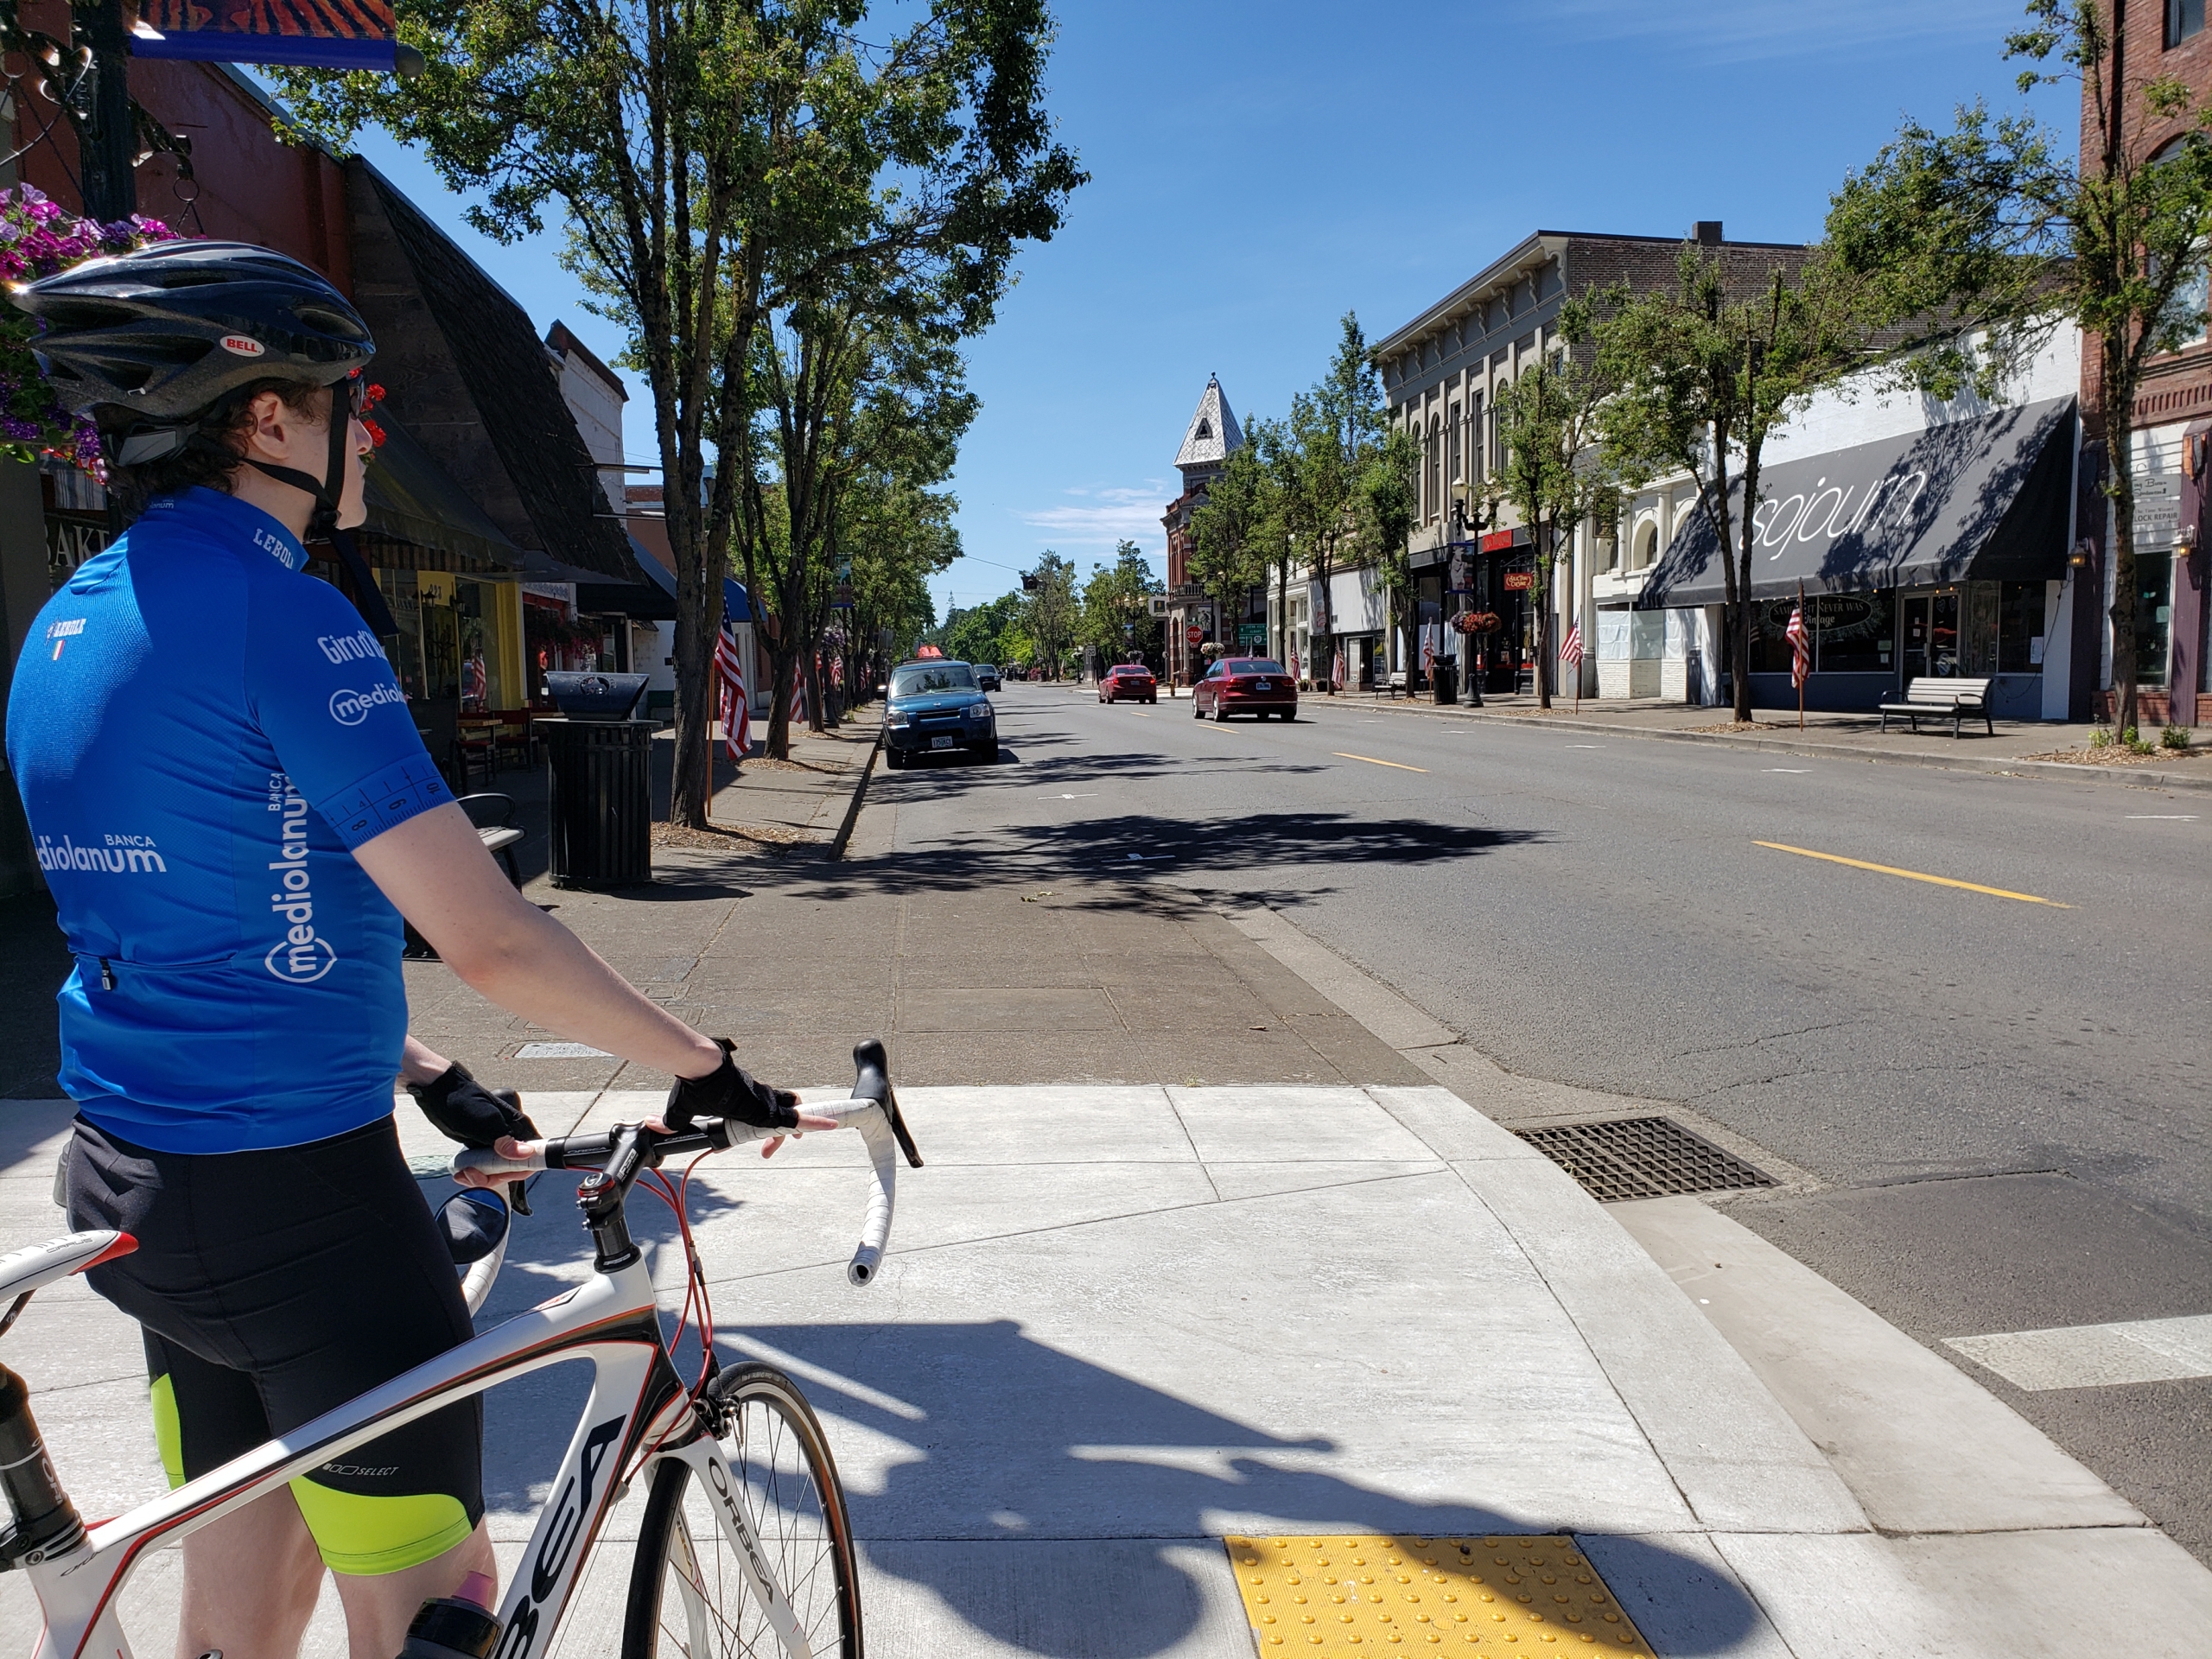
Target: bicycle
{"points": [[743, 1509]]}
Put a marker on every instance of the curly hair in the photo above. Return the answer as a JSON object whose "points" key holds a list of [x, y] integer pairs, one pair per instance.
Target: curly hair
{"points": [[216, 449]]}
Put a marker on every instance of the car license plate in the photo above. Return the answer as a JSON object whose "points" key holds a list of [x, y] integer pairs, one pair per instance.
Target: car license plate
{"points": [[1261, 685], [941, 742]]}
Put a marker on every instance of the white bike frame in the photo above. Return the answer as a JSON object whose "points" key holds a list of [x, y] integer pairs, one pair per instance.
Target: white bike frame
{"points": [[637, 1403]]}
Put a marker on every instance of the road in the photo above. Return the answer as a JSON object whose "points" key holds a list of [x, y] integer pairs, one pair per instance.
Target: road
{"points": [[1984, 1100]]}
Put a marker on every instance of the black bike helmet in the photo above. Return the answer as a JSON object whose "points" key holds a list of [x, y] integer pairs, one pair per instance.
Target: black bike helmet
{"points": [[162, 335]]}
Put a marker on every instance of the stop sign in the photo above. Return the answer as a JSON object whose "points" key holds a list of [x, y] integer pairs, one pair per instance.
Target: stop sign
{"points": [[1196, 635]]}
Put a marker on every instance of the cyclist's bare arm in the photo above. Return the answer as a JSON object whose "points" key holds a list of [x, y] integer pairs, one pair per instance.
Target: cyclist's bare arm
{"points": [[436, 873]]}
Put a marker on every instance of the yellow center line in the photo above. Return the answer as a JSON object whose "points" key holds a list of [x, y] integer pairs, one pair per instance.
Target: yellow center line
{"points": [[1912, 875], [1372, 761]]}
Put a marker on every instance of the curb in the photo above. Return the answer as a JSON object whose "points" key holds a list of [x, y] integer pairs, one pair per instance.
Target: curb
{"points": [[2008, 767], [853, 807]]}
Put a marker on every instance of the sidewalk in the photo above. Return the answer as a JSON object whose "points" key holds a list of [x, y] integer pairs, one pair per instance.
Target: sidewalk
{"points": [[1834, 736], [1201, 1249]]}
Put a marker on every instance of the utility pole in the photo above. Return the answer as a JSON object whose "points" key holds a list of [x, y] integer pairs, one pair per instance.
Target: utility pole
{"points": [[100, 114]]}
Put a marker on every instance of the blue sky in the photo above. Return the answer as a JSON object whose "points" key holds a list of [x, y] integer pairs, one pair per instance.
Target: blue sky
{"points": [[1259, 169]]}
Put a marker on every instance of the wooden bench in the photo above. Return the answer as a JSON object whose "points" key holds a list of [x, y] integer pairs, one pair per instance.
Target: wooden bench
{"points": [[1954, 700]]}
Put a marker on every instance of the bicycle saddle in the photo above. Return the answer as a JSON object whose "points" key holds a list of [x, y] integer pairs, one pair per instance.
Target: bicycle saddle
{"points": [[23, 1271]]}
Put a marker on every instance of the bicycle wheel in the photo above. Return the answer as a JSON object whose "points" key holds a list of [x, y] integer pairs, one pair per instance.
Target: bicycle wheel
{"points": [[689, 1599]]}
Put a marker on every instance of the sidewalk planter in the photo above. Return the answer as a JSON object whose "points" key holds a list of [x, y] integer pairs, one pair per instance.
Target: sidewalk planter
{"points": [[602, 801]]}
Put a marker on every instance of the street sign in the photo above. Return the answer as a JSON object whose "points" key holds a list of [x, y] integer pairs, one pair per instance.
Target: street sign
{"points": [[1520, 582], [1196, 635], [1249, 634], [1497, 541]]}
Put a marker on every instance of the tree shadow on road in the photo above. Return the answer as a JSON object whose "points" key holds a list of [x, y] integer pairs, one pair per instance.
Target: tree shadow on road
{"points": [[1235, 851]]}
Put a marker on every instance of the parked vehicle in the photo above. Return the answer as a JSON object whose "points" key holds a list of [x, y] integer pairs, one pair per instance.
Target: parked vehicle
{"points": [[1245, 685], [987, 677], [1128, 683], [937, 707], [1014, 671]]}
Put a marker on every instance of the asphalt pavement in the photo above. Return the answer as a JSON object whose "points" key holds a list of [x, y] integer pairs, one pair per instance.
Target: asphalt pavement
{"points": [[1981, 1092]]}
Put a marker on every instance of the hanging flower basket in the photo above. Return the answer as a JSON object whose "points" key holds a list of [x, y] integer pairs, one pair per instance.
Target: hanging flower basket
{"points": [[1477, 622], [38, 238]]}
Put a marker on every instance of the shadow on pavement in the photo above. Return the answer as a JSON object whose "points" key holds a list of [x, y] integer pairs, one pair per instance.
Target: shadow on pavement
{"points": [[1002, 1438], [1135, 844]]}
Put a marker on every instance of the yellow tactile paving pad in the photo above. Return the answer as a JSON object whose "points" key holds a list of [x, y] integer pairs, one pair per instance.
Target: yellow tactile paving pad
{"points": [[1340, 1596]]}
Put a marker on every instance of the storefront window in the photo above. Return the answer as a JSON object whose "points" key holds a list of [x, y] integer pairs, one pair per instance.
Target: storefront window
{"points": [[2154, 594], [2020, 627], [1854, 633], [399, 593]]}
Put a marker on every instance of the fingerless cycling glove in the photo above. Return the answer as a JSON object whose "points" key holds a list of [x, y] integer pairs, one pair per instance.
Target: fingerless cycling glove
{"points": [[730, 1093]]}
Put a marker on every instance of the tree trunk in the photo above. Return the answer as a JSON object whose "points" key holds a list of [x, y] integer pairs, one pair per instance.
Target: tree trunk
{"points": [[2119, 432]]}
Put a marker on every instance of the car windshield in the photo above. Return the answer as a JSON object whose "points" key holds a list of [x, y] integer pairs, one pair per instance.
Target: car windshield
{"points": [[1255, 665], [920, 681]]}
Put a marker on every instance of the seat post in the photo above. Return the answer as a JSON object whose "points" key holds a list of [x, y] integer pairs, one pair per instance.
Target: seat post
{"points": [[43, 1521]]}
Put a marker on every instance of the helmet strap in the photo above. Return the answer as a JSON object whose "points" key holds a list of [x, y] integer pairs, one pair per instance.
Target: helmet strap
{"points": [[328, 489]]}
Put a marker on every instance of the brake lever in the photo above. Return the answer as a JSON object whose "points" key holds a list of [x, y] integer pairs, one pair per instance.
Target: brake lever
{"points": [[899, 1128]]}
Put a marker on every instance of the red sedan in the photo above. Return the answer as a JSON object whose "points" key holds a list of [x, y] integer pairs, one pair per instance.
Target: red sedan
{"points": [[1245, 685], [1128, 682]]}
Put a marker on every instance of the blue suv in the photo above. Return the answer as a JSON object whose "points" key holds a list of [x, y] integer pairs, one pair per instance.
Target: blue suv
{"points": [[935, 708]]}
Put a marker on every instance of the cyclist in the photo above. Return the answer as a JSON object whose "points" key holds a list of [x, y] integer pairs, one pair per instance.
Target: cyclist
{"points": [[234, 810]]}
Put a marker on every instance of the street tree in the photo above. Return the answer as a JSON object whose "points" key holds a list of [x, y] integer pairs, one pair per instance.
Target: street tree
{"points": [[1229, 534], [893, 535], [1980, 243], [847, 385], [1695, 378], [990, 632], [1051, 611], [708, 155], [1118, 620], [1332, 433], [1389, 507]]}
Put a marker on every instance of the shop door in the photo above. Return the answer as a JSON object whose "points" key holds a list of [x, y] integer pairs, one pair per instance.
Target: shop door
{"points": [[1930, 625], [2154, 612]]}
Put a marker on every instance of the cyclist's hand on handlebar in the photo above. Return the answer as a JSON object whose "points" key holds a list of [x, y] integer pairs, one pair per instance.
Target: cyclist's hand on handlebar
{"points": [[508, 1146], [465, 1110], [731, 1092]]}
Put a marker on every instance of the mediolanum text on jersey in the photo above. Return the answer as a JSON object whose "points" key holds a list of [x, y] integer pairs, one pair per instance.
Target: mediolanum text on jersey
{"points": [[302, 956], [350, 708], [121, 855]]}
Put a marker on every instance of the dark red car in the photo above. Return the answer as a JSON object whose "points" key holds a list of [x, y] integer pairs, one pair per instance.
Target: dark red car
{"points": [[1128, 683], [1245, 685]]}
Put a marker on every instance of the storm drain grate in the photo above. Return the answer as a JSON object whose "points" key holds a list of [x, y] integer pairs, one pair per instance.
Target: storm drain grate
{"points": [[1641, 1158]]}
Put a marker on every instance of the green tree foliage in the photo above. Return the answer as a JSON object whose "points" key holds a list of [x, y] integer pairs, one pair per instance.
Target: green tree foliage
{"points": [[1231, 533], [844, 392], [1980, 241], [989, 633], [1117, 621], [1051, 611], [1319, 459], [893, 535], [1390, 506], [1695, 378], [713, 159]]}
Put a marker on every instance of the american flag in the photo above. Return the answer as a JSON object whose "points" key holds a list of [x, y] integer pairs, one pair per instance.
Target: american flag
{"points": [[1570, 650], [736, 707], [798, 696], [1800, 649]]}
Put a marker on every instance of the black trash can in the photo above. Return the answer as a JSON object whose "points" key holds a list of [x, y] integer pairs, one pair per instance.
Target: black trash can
{"points": [[1446, 677], [600, 801]]}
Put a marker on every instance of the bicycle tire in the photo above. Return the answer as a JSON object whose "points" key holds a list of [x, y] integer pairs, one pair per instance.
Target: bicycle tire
{"points": [[795, 1504]]}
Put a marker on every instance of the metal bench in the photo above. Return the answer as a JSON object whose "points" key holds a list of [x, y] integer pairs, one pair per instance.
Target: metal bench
{"points": [[1955, 700], [1395, 685], [499, 837]]}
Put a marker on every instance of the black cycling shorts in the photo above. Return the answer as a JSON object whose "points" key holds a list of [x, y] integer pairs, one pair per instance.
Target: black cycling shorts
{"points": [[275, 1285]]}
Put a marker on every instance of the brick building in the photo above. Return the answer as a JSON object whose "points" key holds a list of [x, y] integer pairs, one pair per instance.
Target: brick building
{"points": [[2153, 41]]}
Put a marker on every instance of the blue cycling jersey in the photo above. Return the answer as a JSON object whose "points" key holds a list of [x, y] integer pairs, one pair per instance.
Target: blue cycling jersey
{"points": [[202, 732]]}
